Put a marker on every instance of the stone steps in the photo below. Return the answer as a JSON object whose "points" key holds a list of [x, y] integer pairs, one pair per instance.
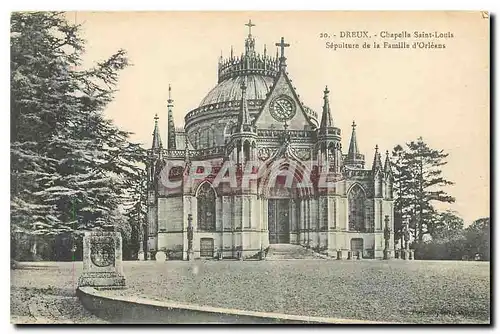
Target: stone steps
{"points": [[289, 251]]}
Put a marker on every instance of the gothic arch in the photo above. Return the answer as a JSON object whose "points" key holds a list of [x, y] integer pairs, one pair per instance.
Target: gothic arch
{"points": [[206, 197], [356, 197], [301, 171]]}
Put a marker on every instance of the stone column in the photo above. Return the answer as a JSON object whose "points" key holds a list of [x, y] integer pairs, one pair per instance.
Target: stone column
{"points": [[190, 253], [387, 237], [308, 221], [302, 237], [226, 221], [265, 222], [293, 222]]}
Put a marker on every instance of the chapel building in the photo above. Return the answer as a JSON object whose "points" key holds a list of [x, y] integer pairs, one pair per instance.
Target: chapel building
{"points": [[255, 114]]}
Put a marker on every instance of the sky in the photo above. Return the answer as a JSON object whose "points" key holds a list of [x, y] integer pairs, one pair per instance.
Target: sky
{"points": [[394, 95]]}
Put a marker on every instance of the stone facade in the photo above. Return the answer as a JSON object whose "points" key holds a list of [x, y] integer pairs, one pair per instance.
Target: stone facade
{"points": [[254, 114]]}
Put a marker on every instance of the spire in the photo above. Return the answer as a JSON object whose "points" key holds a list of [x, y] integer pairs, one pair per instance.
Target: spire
{"points": [[387, 163], [156, 135], [353, 146], [326, 118], [354, 158], [244, 116], [171, 145], [377, 161]]}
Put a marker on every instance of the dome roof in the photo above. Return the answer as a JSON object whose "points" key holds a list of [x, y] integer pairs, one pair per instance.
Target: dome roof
{"points": [[230, 89]]}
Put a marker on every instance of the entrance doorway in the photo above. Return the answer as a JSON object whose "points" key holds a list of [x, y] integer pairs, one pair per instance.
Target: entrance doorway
{"points": [[279, 221], [207, 247], [357, 247]]}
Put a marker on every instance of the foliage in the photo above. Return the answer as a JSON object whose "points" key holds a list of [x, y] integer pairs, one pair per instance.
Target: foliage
{"points": [[71, 168], [447, 225], [453, 242], [418, 184], [478, 238]]}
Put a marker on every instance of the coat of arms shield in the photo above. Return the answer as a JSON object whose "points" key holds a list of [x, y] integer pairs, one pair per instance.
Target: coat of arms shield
{"points": [[102, 252]]}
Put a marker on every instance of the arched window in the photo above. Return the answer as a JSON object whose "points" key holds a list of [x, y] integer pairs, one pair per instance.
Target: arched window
{"points": [[206, 208], [246, 150], [210, 137], [197, 140], [356, 200]]}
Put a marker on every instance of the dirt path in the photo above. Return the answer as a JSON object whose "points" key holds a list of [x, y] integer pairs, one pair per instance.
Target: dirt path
{"points": [[41, 294]]}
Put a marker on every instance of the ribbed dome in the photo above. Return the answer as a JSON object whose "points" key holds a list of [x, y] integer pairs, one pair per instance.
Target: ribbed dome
{"points": [[230, 89]]}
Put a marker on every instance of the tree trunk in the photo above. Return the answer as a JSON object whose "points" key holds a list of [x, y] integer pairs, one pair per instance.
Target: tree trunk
{"points": [[33, 248]]}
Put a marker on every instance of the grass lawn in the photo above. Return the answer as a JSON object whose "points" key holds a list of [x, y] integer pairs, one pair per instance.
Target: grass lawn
{"points": [[399, 291]]}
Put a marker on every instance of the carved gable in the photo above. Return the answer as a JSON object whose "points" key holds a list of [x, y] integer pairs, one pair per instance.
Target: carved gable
{"points": [[282, 105]]}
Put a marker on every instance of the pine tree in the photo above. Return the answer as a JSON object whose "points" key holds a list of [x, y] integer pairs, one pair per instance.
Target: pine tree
{"points": [[70, 166], [403, 191], [418, 184]]}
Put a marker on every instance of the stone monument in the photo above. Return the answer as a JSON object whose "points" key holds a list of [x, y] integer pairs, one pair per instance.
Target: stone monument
{"points": [[102, 260]]}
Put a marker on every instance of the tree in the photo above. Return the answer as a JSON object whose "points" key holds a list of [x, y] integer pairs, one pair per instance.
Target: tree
{"points": [[478, 238], [447, 225], [136, 212], [70, 166], [403, 191], [418, 183]]}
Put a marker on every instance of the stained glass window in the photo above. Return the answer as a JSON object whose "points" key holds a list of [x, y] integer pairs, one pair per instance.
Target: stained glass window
{"points": [[206, 208], [356, 200]]}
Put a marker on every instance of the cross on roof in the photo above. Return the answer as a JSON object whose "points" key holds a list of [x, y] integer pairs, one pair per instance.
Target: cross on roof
{"points": [[250, 25], [282, 45]]}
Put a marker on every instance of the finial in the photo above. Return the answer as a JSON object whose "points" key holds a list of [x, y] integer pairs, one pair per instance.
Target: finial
{"points": [[250, 25], [376, 148], [265, 50], [326, 91], [282, 46], [170, 101], [353, 125], [387, 153], [156, 118], [232, 52]]}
